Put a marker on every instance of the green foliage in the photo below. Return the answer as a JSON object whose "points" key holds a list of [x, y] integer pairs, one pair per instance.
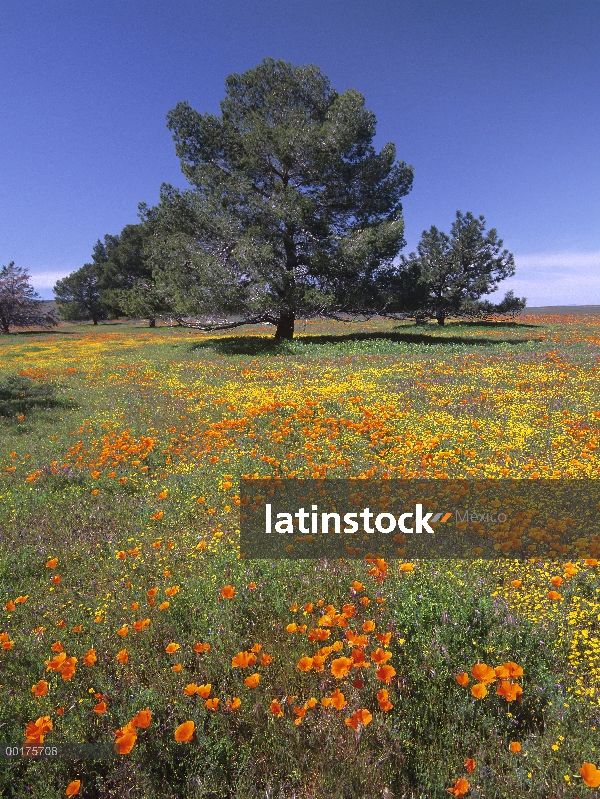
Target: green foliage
{"points": [[292, 210], [78, 295], [127, 286], [449, 274]]}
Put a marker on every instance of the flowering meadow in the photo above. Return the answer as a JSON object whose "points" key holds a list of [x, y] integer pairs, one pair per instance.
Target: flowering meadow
{"points": [[128, 618]]}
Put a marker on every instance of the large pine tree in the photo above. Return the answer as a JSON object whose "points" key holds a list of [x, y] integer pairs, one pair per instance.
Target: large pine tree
{"points": [[292, 211]]}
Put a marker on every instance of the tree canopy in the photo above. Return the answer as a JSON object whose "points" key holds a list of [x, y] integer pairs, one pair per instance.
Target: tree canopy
{"points": [[125, 280], [449, 274], [20, 306], [292, 211], [78, 295]]}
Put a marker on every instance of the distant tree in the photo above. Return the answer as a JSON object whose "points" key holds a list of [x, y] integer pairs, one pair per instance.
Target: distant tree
{"points": [[292, 210], [20, 306], [450, 273], [126, 283], [78, 295]]}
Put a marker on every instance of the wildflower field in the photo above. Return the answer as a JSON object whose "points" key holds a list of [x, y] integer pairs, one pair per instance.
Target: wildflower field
{"points": [[128, 619]]}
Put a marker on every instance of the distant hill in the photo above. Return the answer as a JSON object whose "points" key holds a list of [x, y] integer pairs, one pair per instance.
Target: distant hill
{"points": [[563, 309]]}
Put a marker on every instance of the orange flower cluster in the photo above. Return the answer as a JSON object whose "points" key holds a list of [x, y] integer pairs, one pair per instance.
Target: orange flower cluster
{"points": [[505, 674], [62, 664], [127, 735]]}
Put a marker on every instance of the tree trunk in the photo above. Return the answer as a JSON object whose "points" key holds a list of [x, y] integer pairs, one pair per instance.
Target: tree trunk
{"points": [[441, 318], [285, 326], [152, 323], [94, 320]]}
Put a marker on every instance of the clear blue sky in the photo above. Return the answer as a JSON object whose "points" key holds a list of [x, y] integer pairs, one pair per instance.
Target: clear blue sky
{"points": [[496, 104]]}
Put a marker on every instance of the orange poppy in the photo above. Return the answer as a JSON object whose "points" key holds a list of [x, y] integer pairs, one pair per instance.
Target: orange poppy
{"points": [[383, 699], [514, 670], [212, 704], [515, 747], [243, 659], [171, 648], [368, 626], [380, 656], [462, 678], [73, 788], [126, 738], [174, 589], [460, 787], [516, 583], [265, 659], [10, 606], [554, 595], [479, 691], [338, 700], [483, 673], [90, 657], [470, 765], [253, 680], [56, 664], [185, 731], [358, 656], [359, 717], [557, 581], [386, 673], [40, 688], [276, 708], [142, 719], [36, 730], [510, 691], [163, 605], [233, 703], [590, 774], [68, 669], [356, 586], [123, 656], [100, 708], [204, 690], [340, 667], [305, 664], [228, 592], [52, 563]]}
